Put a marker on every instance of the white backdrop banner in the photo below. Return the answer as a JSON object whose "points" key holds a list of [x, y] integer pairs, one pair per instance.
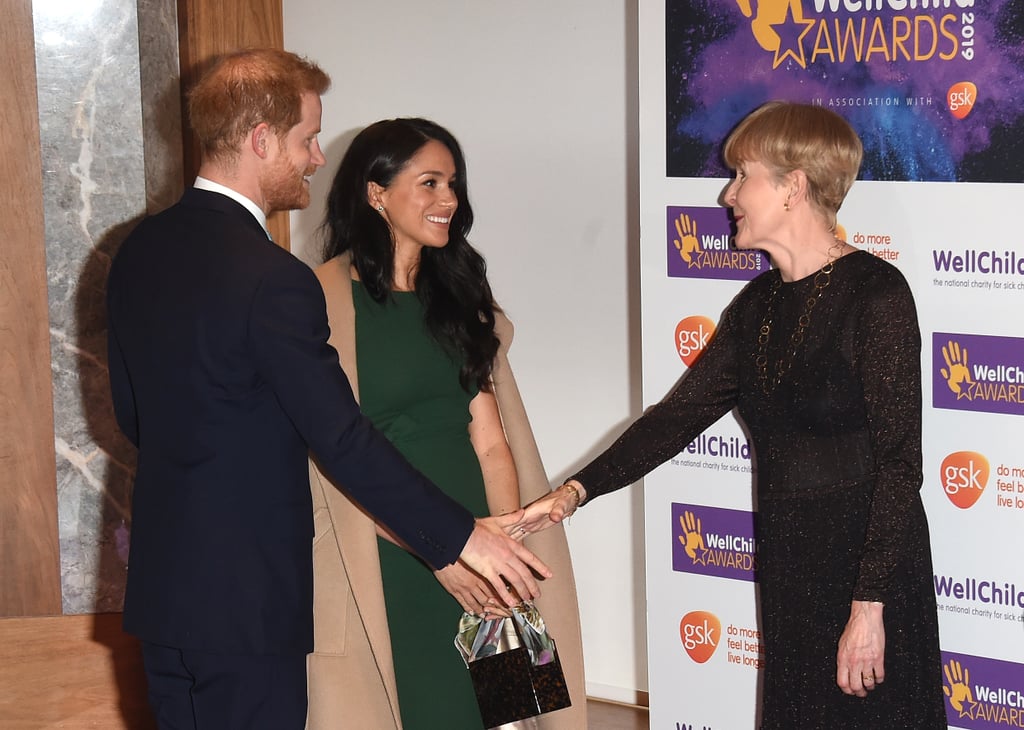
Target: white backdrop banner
{"points": [[935, 88]]}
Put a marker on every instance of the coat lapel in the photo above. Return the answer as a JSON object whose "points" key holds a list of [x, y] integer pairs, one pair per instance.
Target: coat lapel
{"points": [[354, 530]]}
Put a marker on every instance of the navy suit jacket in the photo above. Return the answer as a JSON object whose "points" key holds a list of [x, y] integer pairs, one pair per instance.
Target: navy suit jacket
{"points": [[222, 377]]}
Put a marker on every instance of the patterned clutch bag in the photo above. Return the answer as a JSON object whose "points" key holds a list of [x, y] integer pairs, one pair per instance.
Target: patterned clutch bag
{"points": [[513, 664]]}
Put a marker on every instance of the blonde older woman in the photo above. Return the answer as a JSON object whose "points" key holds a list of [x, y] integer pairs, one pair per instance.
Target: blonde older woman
{"points": [[821, 357]]}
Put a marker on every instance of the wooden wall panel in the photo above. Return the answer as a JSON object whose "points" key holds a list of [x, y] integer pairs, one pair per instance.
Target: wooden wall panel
{"points": [[29, 543], [207, 28], [63, 671], [71, 672]]}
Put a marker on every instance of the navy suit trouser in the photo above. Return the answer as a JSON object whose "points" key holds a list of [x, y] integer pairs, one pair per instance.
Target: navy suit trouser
{"points": [[192, 690]]}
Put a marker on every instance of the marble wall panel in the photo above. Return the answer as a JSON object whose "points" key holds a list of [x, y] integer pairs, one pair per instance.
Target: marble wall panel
{"points": [[161, 102], [94, 192]]}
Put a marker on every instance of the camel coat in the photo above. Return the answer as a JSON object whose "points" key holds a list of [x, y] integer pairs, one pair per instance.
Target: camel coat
{"points": [[351, 672]]}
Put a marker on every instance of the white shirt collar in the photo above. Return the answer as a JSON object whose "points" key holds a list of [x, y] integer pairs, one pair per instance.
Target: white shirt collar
{"points": [[204, 184]]}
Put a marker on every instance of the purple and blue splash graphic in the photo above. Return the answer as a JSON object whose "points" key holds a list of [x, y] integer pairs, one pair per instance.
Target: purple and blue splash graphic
{"points": [[889, 72]]}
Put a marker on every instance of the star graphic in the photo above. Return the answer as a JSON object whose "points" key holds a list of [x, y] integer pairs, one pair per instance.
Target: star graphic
{"points": [[965, 392], [791, 34], [701, 556], [969, 709]]}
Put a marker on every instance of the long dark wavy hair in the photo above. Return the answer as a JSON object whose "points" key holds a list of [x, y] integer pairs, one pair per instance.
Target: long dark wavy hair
{"points": [[451, 281]]}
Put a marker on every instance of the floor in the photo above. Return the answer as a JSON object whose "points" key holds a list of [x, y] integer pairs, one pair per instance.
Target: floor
{"points": [[84, 673], [603, 715]]}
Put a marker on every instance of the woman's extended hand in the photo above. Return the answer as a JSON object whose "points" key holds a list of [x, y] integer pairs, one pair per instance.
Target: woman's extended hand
{"points": [[550, 509], [860, 661], [473, 593]]}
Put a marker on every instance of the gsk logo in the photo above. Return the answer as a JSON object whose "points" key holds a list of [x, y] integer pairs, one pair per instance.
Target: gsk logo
{"points": [[961, 97], [692, 336], [700, 632], [964, 477]]}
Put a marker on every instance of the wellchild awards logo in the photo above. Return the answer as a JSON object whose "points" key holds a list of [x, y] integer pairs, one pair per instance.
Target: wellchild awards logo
{"points": [[840, 31], [978, 373], [713, 541], [982, 693], [700, 247]]}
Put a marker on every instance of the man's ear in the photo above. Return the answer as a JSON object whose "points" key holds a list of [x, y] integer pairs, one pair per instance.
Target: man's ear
{"points": [[260, 140]]}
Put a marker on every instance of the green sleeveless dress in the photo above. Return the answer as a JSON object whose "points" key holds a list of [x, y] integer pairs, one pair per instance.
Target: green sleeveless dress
{"points": [[409, 387]]}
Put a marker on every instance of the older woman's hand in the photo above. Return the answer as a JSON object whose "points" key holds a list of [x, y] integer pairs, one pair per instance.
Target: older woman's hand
{"points": [[549, 509], [860, 661]]}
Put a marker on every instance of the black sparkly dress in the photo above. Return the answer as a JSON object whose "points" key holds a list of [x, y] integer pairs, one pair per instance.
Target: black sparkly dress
{"points": [[837, 437]]}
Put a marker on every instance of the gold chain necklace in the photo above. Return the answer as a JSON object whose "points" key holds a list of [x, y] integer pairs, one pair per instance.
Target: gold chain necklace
{"points": [[822, 279]]}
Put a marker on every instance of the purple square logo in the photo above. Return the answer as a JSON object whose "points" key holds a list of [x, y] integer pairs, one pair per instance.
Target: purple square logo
{"points": [[982, 693], [978, 373], [713, 541], [699, 246]]}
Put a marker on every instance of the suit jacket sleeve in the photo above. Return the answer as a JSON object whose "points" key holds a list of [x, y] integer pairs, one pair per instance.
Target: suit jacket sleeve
{"points": [[289, 332]]}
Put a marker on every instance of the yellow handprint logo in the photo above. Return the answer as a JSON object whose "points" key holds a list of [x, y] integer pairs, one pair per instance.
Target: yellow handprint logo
{"points": [[959, 691], [692, 537], [957, 376], [687, 243]]}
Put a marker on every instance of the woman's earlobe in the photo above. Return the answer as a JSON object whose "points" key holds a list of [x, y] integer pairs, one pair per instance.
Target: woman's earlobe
{"points": [[373, 196]]}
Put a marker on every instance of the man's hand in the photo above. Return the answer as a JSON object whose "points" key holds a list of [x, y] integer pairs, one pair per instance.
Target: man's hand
{"points": [[473, 593], [501, 560], [860, 661]]}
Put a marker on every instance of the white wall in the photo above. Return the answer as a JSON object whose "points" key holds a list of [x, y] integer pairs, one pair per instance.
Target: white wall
{"points": [[542, 96]]}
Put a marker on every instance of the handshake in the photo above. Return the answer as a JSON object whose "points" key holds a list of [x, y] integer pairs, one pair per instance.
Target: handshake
{"points": [[548, 510], [495, 571]]}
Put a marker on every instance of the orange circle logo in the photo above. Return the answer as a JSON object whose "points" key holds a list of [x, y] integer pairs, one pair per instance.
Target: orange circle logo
{"points": [[692, 336], [961, 97], [700, 632], [964, 477]]}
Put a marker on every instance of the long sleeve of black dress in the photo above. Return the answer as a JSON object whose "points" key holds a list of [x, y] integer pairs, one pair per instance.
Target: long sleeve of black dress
{"points": [[703, 395], [847, 413]]}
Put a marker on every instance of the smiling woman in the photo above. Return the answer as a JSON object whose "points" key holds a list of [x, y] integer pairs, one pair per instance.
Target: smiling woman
{"points": [[424, 345], [418, 206]]}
